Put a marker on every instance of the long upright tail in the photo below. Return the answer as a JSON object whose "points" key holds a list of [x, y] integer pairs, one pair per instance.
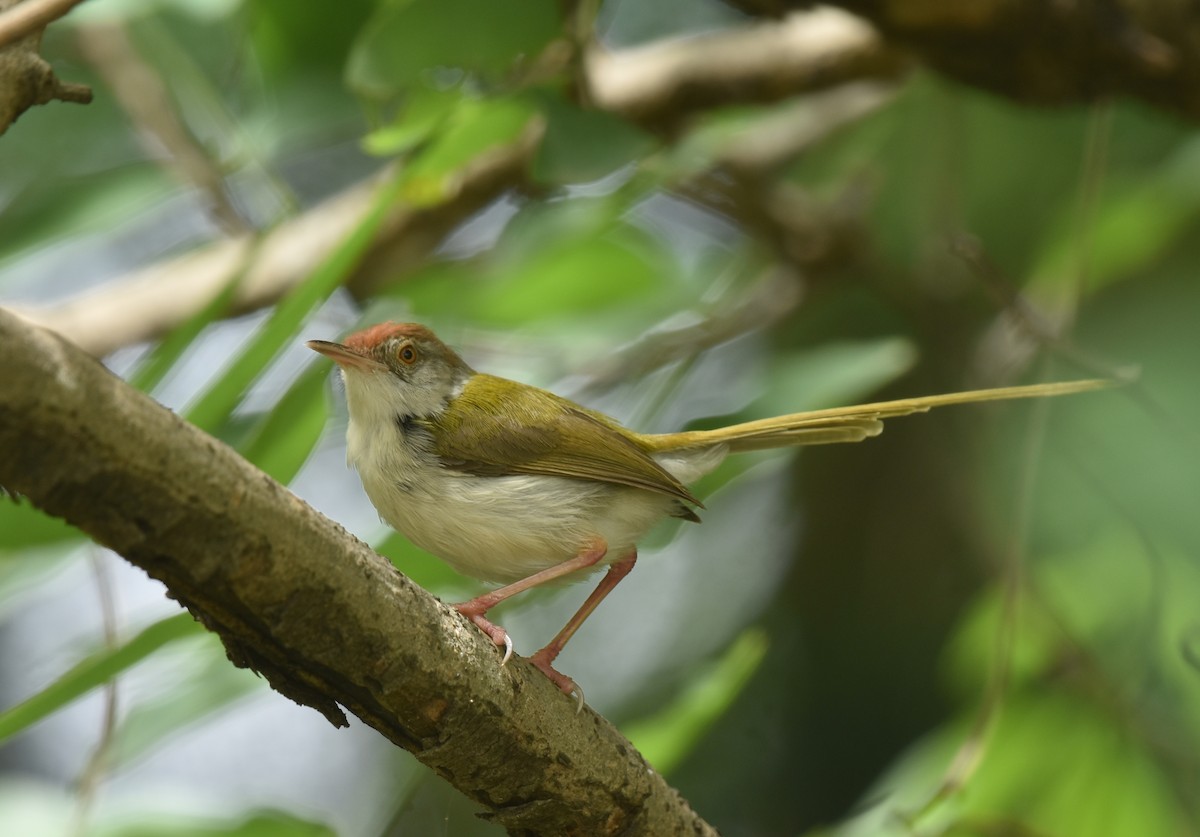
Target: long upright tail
{"points": [[848, 424]]}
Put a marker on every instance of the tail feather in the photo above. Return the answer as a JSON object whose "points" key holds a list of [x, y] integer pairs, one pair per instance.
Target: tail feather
{"points": [[848, 424]]}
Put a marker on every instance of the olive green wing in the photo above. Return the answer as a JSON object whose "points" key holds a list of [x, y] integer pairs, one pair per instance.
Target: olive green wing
{"points": [[517, 429]]}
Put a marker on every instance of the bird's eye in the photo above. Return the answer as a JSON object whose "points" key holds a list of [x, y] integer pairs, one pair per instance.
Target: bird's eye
{"points": [[407, 353]]}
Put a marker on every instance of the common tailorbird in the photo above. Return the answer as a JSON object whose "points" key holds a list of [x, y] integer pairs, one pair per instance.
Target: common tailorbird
{"points": [[512, 484]]}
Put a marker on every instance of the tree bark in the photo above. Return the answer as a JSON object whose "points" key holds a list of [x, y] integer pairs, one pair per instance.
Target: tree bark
{"points": [[328, 622]]}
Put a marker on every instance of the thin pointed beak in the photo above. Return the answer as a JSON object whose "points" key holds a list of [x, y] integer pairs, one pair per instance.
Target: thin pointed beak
{"points": [[344, 356]]}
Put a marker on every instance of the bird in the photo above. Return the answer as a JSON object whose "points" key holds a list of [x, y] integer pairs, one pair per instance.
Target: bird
{"points": [[514, 485]]}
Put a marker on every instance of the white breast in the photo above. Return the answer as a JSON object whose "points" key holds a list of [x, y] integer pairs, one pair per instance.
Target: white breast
{"points": [[501, 529], [498, 529]]}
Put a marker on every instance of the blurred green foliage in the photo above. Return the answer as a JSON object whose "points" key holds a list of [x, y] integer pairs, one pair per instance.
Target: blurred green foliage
{"points": [[94, 670], [982, 623]]}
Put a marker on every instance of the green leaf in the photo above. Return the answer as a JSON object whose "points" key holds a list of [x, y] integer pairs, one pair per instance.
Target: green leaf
{"points": [[265, 823], [425, 569], [425, 111], [202, 10], [95, 670], [1053, 763], [623, 273], [407, 38], [833, 375], [203, 685], [667, 737], [282, 326], [584, 145], [282, 441], [1129, 231], [166, 354], [26, 572], [591, 275], [304, 41], [475, 126], [571, 258], [969, 661], [48, 214], [23, 525]]}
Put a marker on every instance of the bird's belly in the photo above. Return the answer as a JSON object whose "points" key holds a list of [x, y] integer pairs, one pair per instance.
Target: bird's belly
{"points": [[503, 529]]}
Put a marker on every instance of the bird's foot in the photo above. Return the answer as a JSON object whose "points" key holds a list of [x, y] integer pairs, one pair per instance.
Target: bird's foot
{"points": [[542, 659], [498, 635]]}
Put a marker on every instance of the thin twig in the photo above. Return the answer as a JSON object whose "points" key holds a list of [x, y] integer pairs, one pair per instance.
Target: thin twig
{"points": [[1091, 181], [971, 752], [773, 297], [97, 763], [1044, 331]]}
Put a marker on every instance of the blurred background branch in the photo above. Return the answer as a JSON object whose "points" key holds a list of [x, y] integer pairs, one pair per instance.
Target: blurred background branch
{"points": [[1045, 53], [661, 84], [264, 267], [671, 82]]}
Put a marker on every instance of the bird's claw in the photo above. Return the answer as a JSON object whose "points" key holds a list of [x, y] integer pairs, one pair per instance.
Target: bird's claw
{"points": [[541, 659], [495, 633], [565, 684]]}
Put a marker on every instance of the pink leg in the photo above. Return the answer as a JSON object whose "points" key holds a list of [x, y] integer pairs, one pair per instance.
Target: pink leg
{"points": [[477, 608], [543, 659]]}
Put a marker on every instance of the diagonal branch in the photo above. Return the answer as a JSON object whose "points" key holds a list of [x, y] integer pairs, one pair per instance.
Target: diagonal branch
{"points": [[328, 622]]}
